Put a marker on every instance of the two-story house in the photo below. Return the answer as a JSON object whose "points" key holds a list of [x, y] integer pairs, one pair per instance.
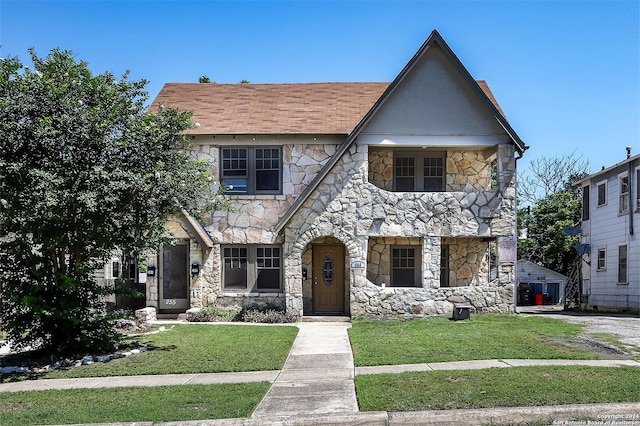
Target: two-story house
{"points": [[609, 233], [350, 198]]}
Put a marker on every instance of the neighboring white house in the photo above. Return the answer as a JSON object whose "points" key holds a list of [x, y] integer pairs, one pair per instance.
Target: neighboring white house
{"points": [[540, 280], [350, 198], [610, 227]]}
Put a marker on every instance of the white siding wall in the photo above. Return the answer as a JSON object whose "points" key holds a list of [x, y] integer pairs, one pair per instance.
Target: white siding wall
{"points": [[609, 229]]}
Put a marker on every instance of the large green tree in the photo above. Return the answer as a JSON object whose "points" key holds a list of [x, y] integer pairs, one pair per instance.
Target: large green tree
{"points": [[84, 168], [555, 205]]}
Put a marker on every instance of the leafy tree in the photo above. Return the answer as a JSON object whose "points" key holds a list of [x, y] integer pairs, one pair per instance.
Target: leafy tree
{"points": [[84, 168], [204, 79], [542, 223]]}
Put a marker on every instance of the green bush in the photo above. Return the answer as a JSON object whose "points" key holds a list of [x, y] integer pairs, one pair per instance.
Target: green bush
{"points": [[212, 314]]}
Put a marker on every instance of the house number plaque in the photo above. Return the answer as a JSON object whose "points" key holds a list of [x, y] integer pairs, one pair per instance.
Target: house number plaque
{"points": [[327, 270]]}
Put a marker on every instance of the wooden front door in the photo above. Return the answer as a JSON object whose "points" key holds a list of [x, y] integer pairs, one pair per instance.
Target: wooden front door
{"points": [[328, 279], [174, 278]]}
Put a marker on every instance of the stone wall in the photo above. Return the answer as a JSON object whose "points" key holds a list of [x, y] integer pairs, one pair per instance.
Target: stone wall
{"points": [[468, 261]]}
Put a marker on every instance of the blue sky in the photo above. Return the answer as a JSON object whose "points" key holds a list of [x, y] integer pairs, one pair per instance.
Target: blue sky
{"points": [[566, 72]]}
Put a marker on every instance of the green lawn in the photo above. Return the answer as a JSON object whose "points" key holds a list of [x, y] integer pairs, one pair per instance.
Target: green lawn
{"points": [[199, 348], [157, 404], [497, 387], [488, 336]]}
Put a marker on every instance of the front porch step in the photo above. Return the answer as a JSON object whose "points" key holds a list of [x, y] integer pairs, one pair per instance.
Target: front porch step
{"points": [[178, 317], [325, 318]]}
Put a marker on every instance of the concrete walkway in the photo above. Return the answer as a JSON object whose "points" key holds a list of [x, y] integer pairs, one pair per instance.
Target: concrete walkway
{"points": [[316, 386], [317, 377]]}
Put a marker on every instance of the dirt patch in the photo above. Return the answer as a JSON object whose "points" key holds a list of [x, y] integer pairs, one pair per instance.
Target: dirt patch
{"points": [[597, 347]]}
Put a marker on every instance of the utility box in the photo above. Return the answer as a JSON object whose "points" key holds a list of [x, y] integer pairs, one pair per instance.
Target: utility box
{"points": [[461, 311]]}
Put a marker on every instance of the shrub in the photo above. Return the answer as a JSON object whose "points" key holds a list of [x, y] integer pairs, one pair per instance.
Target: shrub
{"points": [[267, 313], [212, 314]]}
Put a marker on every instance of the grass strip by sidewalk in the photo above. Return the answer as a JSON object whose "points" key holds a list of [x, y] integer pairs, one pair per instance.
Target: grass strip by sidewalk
{"points": [[137, 404], [497, 387], [487, 336], [199, 348]]}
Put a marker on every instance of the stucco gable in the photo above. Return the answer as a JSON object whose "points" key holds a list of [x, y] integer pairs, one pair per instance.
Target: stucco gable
{"points": [[433, 99]]}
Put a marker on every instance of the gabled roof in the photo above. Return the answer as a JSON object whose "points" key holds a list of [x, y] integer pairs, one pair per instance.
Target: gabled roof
{"points": [[486, 98], [303, 108]]}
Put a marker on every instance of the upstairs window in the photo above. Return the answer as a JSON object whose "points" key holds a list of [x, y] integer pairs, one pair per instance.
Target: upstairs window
{"points": [[419, 171], [602, 259], [252, 170], [623, 204], [602, 193]]}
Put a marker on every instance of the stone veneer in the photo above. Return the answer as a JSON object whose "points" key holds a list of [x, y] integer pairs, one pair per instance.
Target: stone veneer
{"points": [[353, 206]]}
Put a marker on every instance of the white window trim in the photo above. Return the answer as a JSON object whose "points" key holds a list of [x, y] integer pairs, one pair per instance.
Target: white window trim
{"points": [[606, 196], [637, 189], [598, 268], [622, 211], [626, 278]]}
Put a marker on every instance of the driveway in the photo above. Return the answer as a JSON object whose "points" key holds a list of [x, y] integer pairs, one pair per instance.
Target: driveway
{"points": [[625, 327]]}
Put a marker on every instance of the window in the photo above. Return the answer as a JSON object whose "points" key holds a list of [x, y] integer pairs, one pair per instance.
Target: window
{"points": [[602, 193], [585, 202], [405, 269], [419, 171], [252, 170], [444, 265], [602, 259], [622, 264], [638, 189], [623, 205], [253, 268]]}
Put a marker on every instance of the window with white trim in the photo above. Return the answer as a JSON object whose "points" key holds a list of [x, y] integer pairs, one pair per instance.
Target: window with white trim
{"points": [[624, 193], [251, 170], [252, 268], [622, 264], [637, 183], [419, 171], [405, 266], [602, 193], [602, 259]]}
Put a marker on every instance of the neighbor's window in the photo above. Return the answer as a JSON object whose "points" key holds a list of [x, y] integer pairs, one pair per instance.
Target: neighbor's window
{"points": [[602, 193], [602, 259], [252, 268], [622, 264], [405, 266], [623, 205], [252, 170], [419, 171], [638, 189], [444, 265], [585, 202]]}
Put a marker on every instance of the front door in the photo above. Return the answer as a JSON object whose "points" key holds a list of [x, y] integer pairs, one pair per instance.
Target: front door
{"points": [[328, 279], [174, 278]]}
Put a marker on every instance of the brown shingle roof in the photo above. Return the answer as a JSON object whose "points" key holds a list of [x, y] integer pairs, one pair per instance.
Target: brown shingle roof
{"points": [[304, 108]]}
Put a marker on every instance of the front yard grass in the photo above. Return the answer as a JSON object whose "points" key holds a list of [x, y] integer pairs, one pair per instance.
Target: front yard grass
{"points": [[497, 387], [199, 348], [157, 404], [488, 336]]}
